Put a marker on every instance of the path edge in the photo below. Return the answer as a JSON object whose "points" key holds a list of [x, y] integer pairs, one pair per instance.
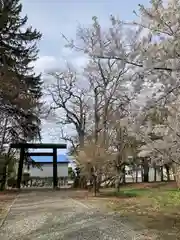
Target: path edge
{"points": [[8, 210]]}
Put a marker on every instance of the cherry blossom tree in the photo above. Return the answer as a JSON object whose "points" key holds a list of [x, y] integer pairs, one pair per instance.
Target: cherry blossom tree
{"points": [[126, 61]]}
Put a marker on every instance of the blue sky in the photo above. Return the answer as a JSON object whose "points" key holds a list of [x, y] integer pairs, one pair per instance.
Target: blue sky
{"points": [[60, 158], [62, 16], [53, 17]]}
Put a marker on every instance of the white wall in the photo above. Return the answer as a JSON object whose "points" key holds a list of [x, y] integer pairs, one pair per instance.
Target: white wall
{"points": [[47, 171]]}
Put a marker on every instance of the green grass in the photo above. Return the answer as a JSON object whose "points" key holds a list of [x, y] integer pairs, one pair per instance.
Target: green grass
{"points": [[160, 199], [129, 193], [156, 209]]}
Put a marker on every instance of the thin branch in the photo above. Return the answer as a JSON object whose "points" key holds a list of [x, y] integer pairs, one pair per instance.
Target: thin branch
{"points": [[134, 63]]}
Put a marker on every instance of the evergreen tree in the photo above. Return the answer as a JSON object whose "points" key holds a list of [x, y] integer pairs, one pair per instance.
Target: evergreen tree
{"points": [[20, 88]]}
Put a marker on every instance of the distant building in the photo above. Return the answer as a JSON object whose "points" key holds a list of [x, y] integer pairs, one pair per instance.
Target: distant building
{"points": [[46, 166]]}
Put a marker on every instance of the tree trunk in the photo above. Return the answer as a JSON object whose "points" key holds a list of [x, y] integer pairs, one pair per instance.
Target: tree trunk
{"points": [[3, 134], [3, 181], [95, 185], [119, 180], [132, 175], [4, 170], [98, 186], [118, 185], [155, 174], [162, 174], [137, 170], [167, 171], [81, 135], [90, 185], [176, 171], [124, 174], [146, 170], [142, 174]]}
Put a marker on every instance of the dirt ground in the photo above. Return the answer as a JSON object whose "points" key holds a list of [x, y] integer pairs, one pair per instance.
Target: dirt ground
{"points": [[140, 211], [6, 199], [66, 215]]}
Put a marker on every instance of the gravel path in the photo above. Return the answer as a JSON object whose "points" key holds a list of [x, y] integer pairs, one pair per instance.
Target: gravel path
{"points": [[56, 215]]}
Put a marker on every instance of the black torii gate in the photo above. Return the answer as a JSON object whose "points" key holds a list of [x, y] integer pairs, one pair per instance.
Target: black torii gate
{"points": [[23, 146]]}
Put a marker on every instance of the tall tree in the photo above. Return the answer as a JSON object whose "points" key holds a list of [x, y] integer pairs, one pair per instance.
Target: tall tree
{"points": [[20, 88], [71, 100]]}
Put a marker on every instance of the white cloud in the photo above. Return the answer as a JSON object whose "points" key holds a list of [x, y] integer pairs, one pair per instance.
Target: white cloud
{"points": [[50, 130], [80, 61], [45, 63]]}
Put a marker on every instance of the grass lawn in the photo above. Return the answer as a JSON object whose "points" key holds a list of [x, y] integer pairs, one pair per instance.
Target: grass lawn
{"points": [[155, 207]]}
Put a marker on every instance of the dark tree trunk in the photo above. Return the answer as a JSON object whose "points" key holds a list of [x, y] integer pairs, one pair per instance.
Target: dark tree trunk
{"points": [[81, 138], [76, 182], [146, 170], [119, 183], [20, 167], [4, 172], [136, 178], [146, 177], [137, 169], [99, 179], [142, 174], [124, 174], [167, 171], [95, 185], [84, 182], [162, 174], [155, 174], [77, 179], [3, 181]]}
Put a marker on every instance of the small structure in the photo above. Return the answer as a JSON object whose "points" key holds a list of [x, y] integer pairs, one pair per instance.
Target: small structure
{"points": [[27, 146], [45, 169], [46, 166]]}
